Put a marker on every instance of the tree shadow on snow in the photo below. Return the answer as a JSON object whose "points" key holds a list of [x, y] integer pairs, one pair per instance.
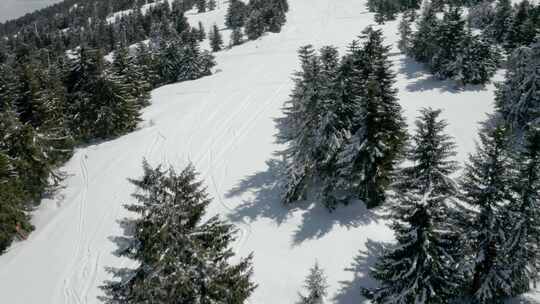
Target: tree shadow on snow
{"points": [[420, 79], [350, 291]]}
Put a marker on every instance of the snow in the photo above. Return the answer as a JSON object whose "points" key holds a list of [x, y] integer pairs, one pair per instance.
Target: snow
{"points": [[225, 124]]}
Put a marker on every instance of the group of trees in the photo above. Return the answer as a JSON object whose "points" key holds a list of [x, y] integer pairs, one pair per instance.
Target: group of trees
{"points": [[474, 238], [478, 237], [255, 18], [181, 257], [50, 102], [344, 124], [448, 46], [507, 25]]}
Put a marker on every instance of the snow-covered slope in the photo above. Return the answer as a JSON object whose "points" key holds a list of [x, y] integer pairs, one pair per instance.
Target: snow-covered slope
{"points": [[225, 125]]}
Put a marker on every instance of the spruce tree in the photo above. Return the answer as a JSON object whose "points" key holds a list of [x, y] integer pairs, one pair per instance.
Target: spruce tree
{"points": [[448, 35], [423, 41], [502, 20], [237, 36], [201, 32], [485, 186], [405, 32], [216, 41], [525, 221], [201, 5], [236, 14], [255, 26], [517, 33], [423, 268], [181, 258], [518, 97], [316, 286], [212, 5], [378, 130]]}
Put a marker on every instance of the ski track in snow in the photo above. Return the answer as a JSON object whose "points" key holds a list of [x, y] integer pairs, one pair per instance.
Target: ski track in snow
{"points": [[224, 124]]}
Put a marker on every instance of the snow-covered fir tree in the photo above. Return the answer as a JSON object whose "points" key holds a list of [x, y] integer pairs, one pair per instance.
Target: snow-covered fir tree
{"points": [[405, 32], [423, 41], [423, 268], [449, 33], [181, 258], [236, 14], [525, 214], [486, 186], [377, 132], [517, 34], [216, 40], [316, 286], [501, 20], [237, 36], [518, 97]]}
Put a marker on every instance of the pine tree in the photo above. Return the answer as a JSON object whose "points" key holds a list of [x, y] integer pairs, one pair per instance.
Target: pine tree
{"points": [[378, 130], [423, 41], [216, 41], [316, 286], [525, 233], [502, 20], [476, 62], [485, 185], [517, 35], [301, 120], [236, 14], [201, 32], [424, 266], [181, 258], [405, 32], [448, 35], [212, 5], [127, 67], [237, 36], [254, 25], [518, 97], [201, 5]]}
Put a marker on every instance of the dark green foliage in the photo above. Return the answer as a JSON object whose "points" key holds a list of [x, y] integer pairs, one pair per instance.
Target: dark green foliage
{"points": [[386, 10], [236, 14], [502, 20], [237, 36], [181, 62], [316, 286], [423, 267], [182, 258], [345, 127], [485, 185], [216, 41]]}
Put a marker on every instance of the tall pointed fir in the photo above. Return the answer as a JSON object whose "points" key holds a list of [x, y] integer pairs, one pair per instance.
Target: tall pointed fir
{"points": [[525, 210], [181, 258], [377, 135], [236, 14], [448, 35], [237, 36], [301, 122], [127, 67], [405, 32], [423, 41], [216, 41], [517, 34], [485, 186], [517, 99], [316, 286], [424, 266], [501, 21]]}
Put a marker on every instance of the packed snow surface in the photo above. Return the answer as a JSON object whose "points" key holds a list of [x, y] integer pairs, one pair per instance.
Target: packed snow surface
{"points": [[225, 124]]}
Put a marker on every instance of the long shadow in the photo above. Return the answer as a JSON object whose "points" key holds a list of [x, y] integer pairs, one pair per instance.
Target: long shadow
{"points": [[119, 274], [350, 291], [422, 80]]}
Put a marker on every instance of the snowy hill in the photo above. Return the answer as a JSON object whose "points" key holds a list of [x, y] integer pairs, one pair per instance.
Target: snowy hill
{"points": [[225, 125]]}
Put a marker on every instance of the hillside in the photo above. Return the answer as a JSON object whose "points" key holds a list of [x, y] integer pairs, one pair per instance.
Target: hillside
{"points": [[225, 124]]}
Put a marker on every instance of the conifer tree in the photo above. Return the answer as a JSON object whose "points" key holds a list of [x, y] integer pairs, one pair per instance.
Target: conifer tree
{"points": [[125, 66], [254, 25], [181, 258], [423, 41], [378, 130], [316, 286], [405, 32], [502, 20], [517, 34], [216, 41], [525, 222], [423, 267], [201, 5], [236, 14], [201, 32], [518, 97], [448, 35], [485, 185], [237, 36], [212, 5]]}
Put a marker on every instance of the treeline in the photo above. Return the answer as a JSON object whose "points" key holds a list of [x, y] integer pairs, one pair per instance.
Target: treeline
{"points": [[255, 18], [448, 46], [49, 104], [182, 255], [471, 239]]}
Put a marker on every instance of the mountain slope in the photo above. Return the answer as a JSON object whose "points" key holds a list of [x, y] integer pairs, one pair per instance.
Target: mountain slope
{"points": [[225, 124]]}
